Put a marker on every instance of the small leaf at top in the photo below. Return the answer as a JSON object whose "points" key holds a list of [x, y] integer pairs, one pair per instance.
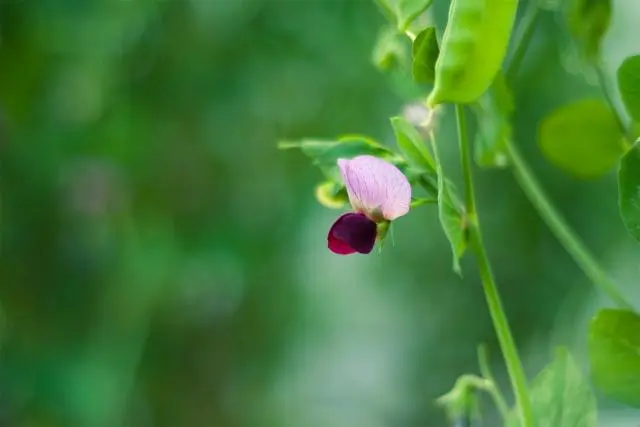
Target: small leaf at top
{"points": [[629, 190], [404, 12], [412, 145], [560, 395], [493, 112], [424, 54], [588, 22], [629, 85], [582, 138], [391, 50], [614, 352]]}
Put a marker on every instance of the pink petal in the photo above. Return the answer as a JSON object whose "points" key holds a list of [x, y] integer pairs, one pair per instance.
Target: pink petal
{"points": [[374, 185]]}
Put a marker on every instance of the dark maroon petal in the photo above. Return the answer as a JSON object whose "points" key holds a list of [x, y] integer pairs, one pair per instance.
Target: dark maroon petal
{"points": [[352, 232], [339, 247]]}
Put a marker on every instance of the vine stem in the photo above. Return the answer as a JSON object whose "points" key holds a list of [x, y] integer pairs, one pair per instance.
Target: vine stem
{"points": [[608, 96], [561, 229], [498, 317], [493, 390], [532, 188], [522, 38]]}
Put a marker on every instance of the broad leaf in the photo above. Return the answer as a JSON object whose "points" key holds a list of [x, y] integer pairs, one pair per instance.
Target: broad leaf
{"points": [[628, 194], [582, 138], [424, 55], [412, 145], [493, 112], [614, 350], [404, 12], [391, 50], [588, 22], [560, 396], [452, 220], [629, 85]]}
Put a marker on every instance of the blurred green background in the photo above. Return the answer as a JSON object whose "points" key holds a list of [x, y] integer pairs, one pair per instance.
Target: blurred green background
{"points": [[163, 264]]}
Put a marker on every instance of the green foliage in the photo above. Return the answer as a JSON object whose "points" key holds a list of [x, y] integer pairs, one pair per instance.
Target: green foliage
{"points": [[403, 12], [461, 403], [582, 138], [331, 193], [419, 201], [325, 153], [453, 222], [628, 194], [493, 112], [614, 351], [425, 53], [472, 50], [629, 85], [391, 50], [412, 146], [561, 397], [588, 22]]}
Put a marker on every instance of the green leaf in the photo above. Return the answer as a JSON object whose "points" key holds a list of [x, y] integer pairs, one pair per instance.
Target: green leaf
{"points": [[412, 145], [560, 396], [419, 201], [493, 112], [425, 52], [325, 153], [634, 130], [614, 351], [404, 12], [391, 50], [628, 194], [629, 85], [453, 223], [588, 22], [582, 138]]}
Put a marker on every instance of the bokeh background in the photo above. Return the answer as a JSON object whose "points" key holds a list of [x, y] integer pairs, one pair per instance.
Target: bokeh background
{"points": [[163, 264]]}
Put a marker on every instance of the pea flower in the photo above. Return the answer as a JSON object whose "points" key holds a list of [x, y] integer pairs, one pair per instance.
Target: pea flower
{"points": [[378, 193]]}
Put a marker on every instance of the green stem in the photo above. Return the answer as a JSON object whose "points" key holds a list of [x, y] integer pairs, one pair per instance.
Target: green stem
{"points": [[608, 95], [522, 38], [493, 390], [500, 324], [465, 160], [533, 190], [561, 229]]}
